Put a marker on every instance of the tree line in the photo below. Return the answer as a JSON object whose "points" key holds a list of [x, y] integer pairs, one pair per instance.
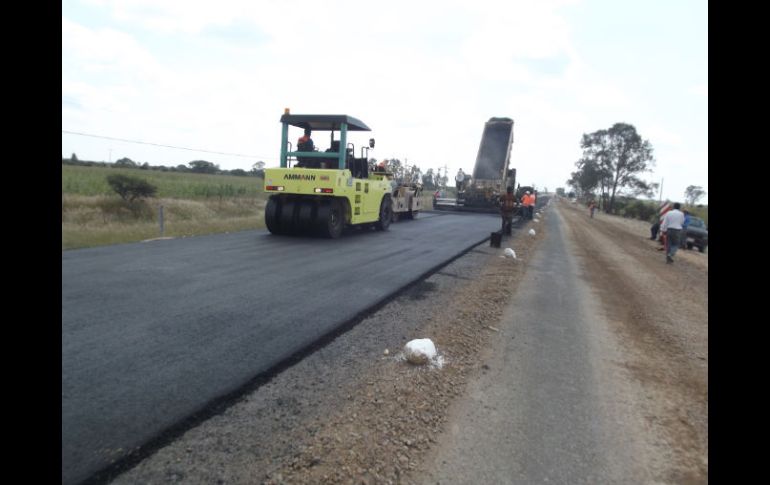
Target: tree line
{"points": [[430, 179], [196, 166], [403, 173]]}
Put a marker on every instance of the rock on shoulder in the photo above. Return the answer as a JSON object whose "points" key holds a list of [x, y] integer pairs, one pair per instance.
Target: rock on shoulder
{"points": [[419, 351]]}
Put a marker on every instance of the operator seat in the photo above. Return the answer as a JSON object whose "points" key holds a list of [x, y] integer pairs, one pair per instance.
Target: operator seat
{"points": [[331, 162]]}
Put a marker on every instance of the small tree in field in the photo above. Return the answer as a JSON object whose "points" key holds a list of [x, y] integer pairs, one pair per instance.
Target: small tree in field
{"points": [[131, 188], [126, 163], [202, 166], [693, 193]]}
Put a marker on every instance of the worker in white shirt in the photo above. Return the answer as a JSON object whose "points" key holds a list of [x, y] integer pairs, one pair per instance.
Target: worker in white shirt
{"points": [[672, 226]]}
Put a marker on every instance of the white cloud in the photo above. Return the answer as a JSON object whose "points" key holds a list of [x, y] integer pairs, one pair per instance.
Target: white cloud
{"points": [[660, 136], [701, 90], [105, 51], [424, 76]]}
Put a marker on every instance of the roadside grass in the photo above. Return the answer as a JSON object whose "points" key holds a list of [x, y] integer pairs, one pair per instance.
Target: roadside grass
{"points": [[647, 210], [89, 221], [193, 204]]}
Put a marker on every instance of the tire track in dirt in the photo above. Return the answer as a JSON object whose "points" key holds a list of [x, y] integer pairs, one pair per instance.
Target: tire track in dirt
{"points": [[659, 316]]}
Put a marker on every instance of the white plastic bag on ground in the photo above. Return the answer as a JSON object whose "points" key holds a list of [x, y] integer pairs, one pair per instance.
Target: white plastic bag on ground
{"points": [[532, 232], [419, 351], [510, 253]]}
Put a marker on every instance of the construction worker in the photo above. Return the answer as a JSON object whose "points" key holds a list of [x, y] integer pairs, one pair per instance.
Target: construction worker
{"points": [[459, 179], [507, 209], [305, 143], [672, 227], [527, 201]]}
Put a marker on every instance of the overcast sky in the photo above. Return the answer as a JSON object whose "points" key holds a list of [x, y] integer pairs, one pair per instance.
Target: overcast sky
{"points": [[424, 75]]}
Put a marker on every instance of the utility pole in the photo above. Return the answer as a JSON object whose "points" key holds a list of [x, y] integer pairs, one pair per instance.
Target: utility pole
{"points": [[110, 155], [660, 201]]}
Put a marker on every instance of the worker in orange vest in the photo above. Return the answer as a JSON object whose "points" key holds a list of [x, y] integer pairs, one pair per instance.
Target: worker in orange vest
{"points": [[528, 202]]}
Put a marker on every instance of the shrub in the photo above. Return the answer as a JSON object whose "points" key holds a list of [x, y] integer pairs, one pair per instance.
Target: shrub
{"points": [[131, 188], [641, 210], [620, 207]]}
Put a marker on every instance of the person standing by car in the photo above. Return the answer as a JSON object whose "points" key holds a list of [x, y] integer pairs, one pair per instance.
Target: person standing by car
{"points": [[672, 227], [655, 227]]}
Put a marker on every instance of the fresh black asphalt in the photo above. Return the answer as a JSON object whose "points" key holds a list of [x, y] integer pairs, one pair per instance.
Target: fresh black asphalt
{"points": [[154, 332]]}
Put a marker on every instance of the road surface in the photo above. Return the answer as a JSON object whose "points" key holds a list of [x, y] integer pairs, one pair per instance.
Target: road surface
{"points": [[154, 332]]}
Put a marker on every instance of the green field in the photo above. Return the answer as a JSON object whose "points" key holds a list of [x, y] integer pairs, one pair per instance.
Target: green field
{"points": [[193, 204], [80, 180]]}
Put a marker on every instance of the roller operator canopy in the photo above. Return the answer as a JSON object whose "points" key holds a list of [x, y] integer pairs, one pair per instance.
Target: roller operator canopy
{"points": [[324, 122]]}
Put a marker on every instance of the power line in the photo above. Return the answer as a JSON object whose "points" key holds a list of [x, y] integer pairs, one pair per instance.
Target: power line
{"points": [[160, 145]]}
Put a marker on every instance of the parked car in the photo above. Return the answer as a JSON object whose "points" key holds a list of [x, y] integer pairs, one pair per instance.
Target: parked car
{"points": [[697, 234]]}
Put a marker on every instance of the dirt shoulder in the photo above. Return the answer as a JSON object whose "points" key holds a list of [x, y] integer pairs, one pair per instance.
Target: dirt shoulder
{"points": [[658, 314]]}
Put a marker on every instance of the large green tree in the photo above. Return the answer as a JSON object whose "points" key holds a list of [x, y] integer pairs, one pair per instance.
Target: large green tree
{"points": [[620, 155], [588, 177]]}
